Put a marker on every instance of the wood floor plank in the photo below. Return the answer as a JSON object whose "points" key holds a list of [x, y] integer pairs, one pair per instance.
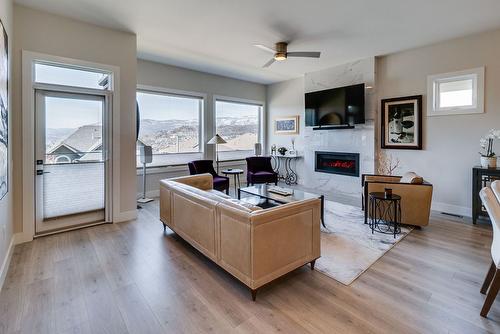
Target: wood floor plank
{"points": [[69, 300], [103, 313], [38, 312], [135, 311], [133, 278], [11, 308]]}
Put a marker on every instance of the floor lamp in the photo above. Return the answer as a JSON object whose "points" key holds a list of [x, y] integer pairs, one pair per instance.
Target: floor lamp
{"points": [[216, 140], [146, 156]]}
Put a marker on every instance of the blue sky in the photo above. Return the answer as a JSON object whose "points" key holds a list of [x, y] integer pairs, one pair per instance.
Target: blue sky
{"points": [[71, 113], [164, 107]]}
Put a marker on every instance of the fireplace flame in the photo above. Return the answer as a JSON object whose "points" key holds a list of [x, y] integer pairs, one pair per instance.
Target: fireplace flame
{"points": [[339, 164]]}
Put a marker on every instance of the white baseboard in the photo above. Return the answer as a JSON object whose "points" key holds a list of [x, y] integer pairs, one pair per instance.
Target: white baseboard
{"points": [[16, 239], [21, 238], [449, 208], [6, 262], [126, 216], [150, 194]]}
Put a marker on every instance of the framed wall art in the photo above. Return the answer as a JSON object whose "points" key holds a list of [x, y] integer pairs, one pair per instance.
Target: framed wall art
{"points": [[286, 125], [401, 123]]}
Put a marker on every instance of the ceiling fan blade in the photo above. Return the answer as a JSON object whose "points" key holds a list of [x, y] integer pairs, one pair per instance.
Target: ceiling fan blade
{"points": [[265, 48], [304, 54], [269, 63]]}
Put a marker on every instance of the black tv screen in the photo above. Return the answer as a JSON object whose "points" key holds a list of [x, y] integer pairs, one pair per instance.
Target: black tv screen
{"points": [[336, 107]]}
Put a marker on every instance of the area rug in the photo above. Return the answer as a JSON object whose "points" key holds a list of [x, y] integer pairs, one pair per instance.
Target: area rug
{"points": [[348, 247]]}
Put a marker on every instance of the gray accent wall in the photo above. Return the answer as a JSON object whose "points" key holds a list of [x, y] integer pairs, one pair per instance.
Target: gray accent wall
{"points": [[177, 78]]}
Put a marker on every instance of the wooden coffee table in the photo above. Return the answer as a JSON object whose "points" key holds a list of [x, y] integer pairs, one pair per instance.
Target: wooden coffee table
{"points": [[262, 191]]}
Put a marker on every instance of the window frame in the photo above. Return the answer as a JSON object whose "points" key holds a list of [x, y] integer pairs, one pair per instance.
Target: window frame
{"points": [[433, 92], [70, 66], [112, 94], [201, 114], [261, 125]]}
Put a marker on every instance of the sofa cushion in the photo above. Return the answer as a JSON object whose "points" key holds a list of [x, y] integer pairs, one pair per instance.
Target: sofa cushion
{"points": [[195, 190], [219, 197], [218, 193], [228, 200], [242, 205], [411, 177], [200, 181], [263, 173]]}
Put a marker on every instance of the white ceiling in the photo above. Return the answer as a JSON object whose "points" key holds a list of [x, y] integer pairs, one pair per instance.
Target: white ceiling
{"points": [[217, 36]]}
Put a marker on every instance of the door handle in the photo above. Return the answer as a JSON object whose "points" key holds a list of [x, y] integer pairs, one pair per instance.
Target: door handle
{"points": [[41, 172]]}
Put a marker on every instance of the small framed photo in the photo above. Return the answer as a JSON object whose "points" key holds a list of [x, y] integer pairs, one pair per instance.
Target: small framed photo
{"points": [[401, 123], [286, 125]]}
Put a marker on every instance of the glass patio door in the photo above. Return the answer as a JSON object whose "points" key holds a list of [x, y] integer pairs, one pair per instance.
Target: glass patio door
{"points": [[70, 160]]}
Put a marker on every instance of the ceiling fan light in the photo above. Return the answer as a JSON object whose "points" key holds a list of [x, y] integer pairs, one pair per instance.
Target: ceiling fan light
{"points": [[280, 56]]}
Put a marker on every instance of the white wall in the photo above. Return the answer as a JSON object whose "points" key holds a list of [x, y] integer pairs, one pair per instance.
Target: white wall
{"points": [[450, 143], [46, 33], [176, 78], [6, 204]]}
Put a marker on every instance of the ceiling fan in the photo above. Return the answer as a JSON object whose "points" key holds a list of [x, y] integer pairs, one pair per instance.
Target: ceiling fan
{"points": [[280, 53]]}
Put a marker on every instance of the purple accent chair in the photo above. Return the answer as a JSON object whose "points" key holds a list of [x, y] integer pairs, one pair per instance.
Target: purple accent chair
{"points": [[221, 183], [259, 170]]}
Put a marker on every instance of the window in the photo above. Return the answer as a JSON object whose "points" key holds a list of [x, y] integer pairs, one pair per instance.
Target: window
{"points": [[240, 125], [57, 74], [456, 93], [171, 125]]}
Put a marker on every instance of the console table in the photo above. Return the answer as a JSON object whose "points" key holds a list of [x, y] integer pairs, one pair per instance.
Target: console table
{"points": [[290, 176], [481, 177]]}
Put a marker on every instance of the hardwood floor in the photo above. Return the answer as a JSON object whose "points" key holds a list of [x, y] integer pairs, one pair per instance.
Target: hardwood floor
{"points": [[131, 278]]}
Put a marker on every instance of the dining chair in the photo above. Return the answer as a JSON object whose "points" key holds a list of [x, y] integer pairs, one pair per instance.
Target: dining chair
{"points": [[491, 201]]}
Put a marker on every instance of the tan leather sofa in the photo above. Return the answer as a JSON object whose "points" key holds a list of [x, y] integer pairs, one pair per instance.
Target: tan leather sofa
{"points": [[416, 197], [254, 245]]}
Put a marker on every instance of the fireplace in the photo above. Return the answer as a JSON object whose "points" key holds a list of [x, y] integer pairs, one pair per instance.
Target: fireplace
{"points": [[337, 163]]}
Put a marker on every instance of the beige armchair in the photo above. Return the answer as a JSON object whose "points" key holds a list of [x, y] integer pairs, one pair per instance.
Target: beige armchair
{"points": [[416, 196]]}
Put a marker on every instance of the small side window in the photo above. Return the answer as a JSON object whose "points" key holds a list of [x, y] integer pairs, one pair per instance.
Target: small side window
{"points": [[456, 93]]}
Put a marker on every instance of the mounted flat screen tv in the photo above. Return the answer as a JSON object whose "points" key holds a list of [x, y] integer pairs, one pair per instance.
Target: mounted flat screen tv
{"points": [[338, 107]]}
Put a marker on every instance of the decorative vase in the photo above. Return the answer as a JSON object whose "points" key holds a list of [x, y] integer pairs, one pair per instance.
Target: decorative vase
{"points": [[258, 149], [488, 162]]}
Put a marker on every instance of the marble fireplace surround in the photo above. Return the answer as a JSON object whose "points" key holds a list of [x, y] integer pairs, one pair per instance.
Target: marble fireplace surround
{"points": [[360, 140]]}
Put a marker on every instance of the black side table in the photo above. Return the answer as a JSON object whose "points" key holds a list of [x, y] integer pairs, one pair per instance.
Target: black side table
{"points": [[236, 174], [385, 213], [481, 177]]}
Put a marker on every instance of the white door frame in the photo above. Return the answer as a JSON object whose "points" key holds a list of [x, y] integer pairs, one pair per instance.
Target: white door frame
{"points": [[42, 91], [28, 130]]}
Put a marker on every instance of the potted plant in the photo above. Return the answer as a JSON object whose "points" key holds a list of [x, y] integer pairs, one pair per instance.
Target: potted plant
{"points": [[282, 150], [488, 157]]}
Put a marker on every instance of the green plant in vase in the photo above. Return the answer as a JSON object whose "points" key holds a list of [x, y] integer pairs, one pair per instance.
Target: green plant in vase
{"points": [[282, 150]]}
